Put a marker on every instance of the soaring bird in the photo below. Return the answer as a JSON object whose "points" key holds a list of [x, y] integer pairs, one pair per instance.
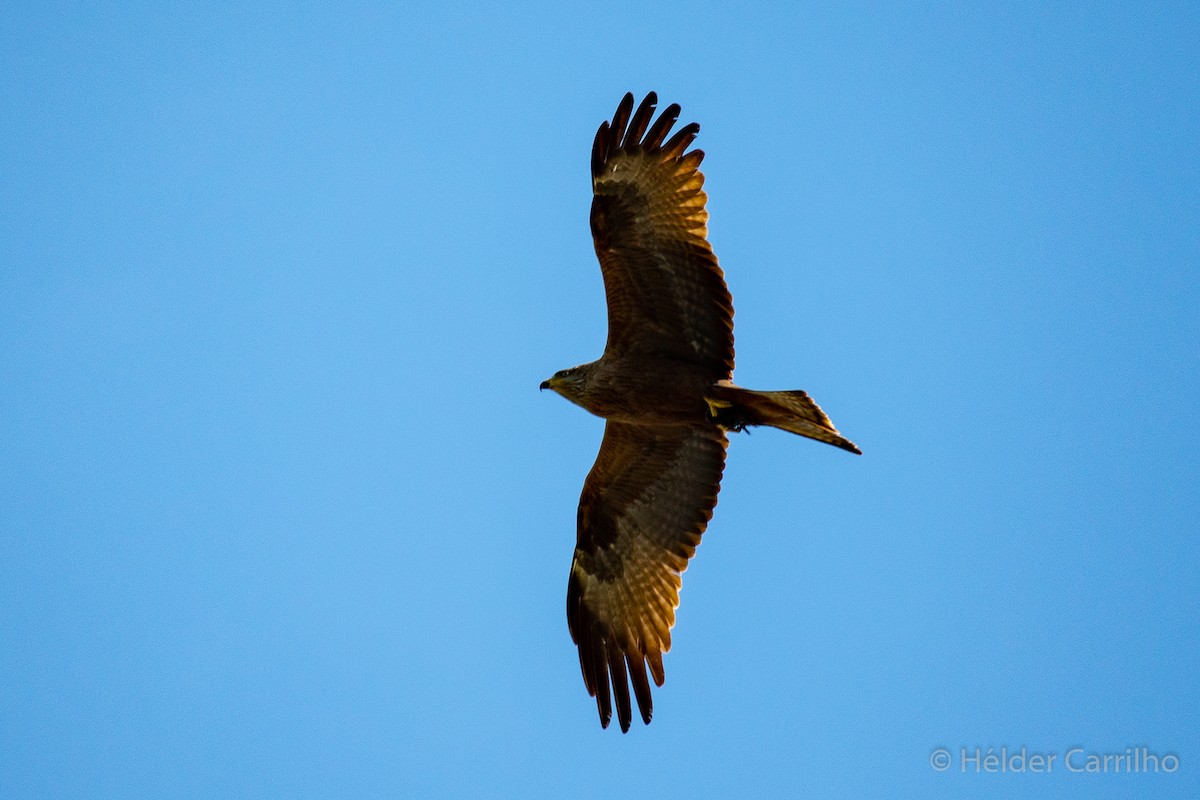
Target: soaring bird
{"points": [[664, 386]]}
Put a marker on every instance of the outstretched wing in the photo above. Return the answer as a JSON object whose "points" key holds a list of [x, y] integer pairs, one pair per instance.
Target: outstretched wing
{"points": [[644, 506], [666, 294]]}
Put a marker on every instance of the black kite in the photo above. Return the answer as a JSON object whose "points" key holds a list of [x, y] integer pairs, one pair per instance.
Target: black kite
{"points": [[664, 386]]}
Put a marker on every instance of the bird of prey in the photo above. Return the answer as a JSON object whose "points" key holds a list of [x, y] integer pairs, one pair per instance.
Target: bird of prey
{"points": [[664, 386]]}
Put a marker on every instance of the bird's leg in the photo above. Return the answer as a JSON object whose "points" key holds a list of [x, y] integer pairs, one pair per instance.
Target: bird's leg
{"points": [[722, 412]]}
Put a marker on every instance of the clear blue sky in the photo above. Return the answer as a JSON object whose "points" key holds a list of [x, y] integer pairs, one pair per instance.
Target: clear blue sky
{"points": [[283, 513]]}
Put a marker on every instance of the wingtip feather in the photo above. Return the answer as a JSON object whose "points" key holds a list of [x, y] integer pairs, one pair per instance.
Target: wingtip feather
{"points": [[632, 131]]}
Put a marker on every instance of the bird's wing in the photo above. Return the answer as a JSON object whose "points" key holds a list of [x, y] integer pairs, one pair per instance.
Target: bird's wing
{"points": [[666, 294], [644, 506]]}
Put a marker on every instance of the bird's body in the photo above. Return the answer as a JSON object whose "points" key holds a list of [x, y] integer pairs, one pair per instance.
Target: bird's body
{"points": [[664, 385], [664, 391]]}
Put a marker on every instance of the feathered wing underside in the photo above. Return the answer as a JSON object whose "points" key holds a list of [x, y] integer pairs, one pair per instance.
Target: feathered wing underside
{"points": [[666, 294], [644, 507]]}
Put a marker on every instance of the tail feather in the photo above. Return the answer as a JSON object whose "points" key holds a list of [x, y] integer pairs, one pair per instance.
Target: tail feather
{"points": [[736, 408]]}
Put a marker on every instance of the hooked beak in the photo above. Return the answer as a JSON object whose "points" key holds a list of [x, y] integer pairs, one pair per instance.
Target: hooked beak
{"points": [[545, 385]]}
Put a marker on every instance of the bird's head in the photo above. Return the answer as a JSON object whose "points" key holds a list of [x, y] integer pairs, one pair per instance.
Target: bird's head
{"points": [[570, 383]]}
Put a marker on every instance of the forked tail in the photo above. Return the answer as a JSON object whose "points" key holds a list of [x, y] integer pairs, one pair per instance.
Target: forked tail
{"points": [[736, 408]]}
